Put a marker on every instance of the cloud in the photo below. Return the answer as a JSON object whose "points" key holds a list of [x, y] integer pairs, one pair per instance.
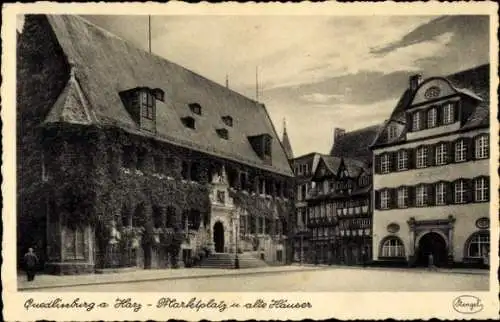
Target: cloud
{"points": [[317, 71], [322, 98]]}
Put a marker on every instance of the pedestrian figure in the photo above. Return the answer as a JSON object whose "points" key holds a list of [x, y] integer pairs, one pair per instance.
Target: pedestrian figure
{"points": [[364, 257], [30, 263], [431, 262]]}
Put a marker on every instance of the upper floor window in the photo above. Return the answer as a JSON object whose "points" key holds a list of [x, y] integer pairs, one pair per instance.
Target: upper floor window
{"points": [[392, 132], [403, 197], [460, 151], [421, 157], [148, 105], [385, 163], [441, 154], [481, 188], [460, 191], [482, 147], [402, 160], [384, 199], [416, 121], [195, 108], [421, 195], [441, 193], [432, 117], [448, 113]]}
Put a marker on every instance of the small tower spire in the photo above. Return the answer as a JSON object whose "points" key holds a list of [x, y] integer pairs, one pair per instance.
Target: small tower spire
{"points": [[227, 81], [257, 83], [286, 142]]}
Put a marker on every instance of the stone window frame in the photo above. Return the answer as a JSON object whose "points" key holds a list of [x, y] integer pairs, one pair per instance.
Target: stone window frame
{"points": [[473, 240], [392, 247], [481, 143], [441, 154], [484, 190], [421, 161], [421, 195], [403, 200], [460, 147]]}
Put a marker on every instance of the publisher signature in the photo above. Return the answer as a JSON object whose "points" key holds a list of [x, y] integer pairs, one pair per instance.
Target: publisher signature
{"points": [[467, 304]]}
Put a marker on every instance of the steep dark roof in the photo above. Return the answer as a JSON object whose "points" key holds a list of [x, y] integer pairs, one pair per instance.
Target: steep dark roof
{"points": [[103, 65], [477, 81], [473, 82], [356, 144], [286, 145]]}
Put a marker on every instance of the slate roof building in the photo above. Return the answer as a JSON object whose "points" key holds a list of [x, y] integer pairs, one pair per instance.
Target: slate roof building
{"points": [[340, 205], [304, 167], [431, 181], [137, 161]]}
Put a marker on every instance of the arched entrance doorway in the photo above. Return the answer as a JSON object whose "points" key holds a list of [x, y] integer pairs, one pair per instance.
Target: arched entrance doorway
{"points": [[219, 237], [432, 243]]}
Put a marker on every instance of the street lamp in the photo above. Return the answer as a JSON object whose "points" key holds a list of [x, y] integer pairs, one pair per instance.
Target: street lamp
{"points": [[236, 260]]}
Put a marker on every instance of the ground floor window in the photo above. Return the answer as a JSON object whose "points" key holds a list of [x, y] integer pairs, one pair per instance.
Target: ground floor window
{"points": [[392, 247], [478, 245]]}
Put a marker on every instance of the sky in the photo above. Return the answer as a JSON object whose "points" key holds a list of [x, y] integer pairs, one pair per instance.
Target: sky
{"points": [[317, 72]]}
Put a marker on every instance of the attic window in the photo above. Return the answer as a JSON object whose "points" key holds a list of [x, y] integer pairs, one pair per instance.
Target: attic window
{"points": [[148, 105], [159, 94], [189, 122], [223, 133], [228, 120], [262, 145], [195, 108]]}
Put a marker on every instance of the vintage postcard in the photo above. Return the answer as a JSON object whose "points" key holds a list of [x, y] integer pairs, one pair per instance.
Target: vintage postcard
{"points": [[250, 161]]}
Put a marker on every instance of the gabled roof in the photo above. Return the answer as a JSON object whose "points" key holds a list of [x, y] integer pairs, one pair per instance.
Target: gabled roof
{"points": [[104, 65], [472, 82], [333, 164], [356, 144]]}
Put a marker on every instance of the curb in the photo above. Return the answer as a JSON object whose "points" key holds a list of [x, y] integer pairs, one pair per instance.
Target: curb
{"points": [[163, 279]]}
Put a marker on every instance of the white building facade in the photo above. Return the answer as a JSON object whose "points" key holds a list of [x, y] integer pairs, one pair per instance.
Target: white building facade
{"points": [[432, 174]]}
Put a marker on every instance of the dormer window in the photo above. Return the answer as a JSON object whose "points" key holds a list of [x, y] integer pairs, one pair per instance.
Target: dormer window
{"points": [[223, 133], [228, 120], [189, 122], [262, 145], [195, 108], [147, 105], [392, 132], [448, 113], [159, 94]]}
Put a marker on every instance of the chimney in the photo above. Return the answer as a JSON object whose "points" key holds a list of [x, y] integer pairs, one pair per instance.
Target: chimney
{"points": [[415, 81], [337, 133]]}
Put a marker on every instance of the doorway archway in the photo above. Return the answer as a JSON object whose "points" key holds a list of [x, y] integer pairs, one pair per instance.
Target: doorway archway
{"points": [[219, 237], [432, 243]]}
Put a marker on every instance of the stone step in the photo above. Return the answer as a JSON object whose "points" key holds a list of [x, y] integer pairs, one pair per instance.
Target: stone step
{"points": [[226, 260]]}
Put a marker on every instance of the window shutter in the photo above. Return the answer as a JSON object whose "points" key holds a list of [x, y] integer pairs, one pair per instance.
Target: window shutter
{"points": [[456, 110], [411, 196], [394, 161], [377, 199], [409, 122], [450, 152], [378, 165], [431, 154], [471, 148], [411, 158], [469, 190], [439, 115], [450, 193], [393, 195], [431, 193], [423, 119]]}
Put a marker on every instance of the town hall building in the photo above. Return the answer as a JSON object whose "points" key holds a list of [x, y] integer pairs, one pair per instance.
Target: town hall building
{"points": [[126, 159]]}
